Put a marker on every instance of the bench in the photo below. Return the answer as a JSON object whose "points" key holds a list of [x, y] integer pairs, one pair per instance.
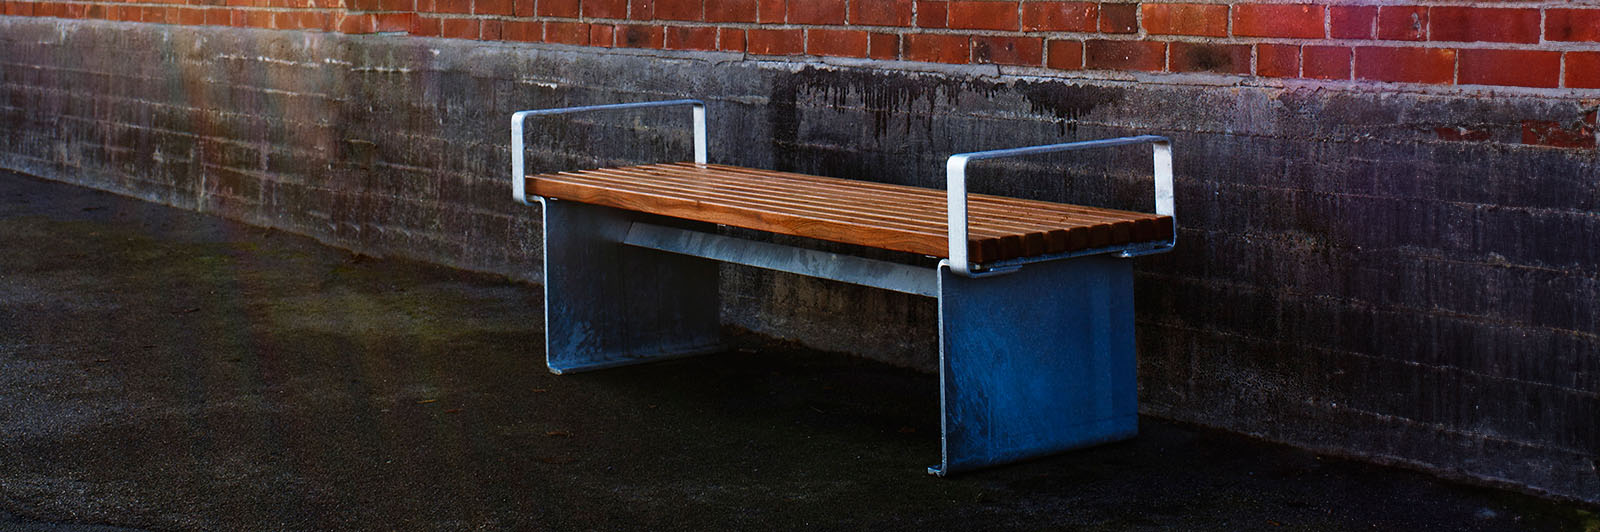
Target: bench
{"points": [[1035, 298]]}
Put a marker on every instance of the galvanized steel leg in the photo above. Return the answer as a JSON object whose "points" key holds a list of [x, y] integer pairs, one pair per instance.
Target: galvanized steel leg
{"points": [[609, 304], [1036, 361]]}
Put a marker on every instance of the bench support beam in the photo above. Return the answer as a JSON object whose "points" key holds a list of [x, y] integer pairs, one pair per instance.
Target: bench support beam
{"points": [[811, 263], [1035, 362]]}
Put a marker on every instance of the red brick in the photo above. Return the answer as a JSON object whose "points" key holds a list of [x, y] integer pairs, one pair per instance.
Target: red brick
{"points": [[1579, 134], [599, 34], [1278, 20], [558, 8], [1473, 24], [730, 10], [1413, 65], [522, 30], [933, 14], [604, 8], [566, 32], [730, 40], [1326, 62], [522, 8], [1351, 22], [1278, 60], [977, 15], [394, 21], [883, 46], [354, 23], [357, 24], [1403, 23], [490, 30], [252, 18], [1186, 19], [1119, 18], [1205, 57], [256, 19], [1059, 16], [391, 5], [425, 26], [692, 38], [458, 28], [936, 48], [816, 12], [1124, 55], [492, 7], [1572, 24], [775, 42], [641, 36], [191, 16], [845, 43], [1065, 55], [219, 17], [680, 10], [770, 11], [1517, 68], [461, 7], [881, 12], [641, 9], [1583, 70], [1024, 51]]}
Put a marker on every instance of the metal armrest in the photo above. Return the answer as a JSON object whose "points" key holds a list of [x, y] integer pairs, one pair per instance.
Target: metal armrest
{"points": [[519, 180], [956, 191]]}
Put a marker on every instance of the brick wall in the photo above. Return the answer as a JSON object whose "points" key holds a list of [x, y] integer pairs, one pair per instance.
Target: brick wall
{"points": [[1387, 209], [1549, 44]]}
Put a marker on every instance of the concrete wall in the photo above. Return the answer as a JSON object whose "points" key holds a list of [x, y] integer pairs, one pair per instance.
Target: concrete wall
{"points": [[1400, 272]]}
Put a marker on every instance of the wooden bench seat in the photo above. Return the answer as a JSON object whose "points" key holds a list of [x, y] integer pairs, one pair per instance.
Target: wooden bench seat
{"points": [[896, 217]]}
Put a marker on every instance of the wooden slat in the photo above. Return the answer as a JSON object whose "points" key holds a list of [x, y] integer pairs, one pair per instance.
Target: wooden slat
{"points": [[1014, 238], [999, 204], [714, 212], [981, 205], [1034, 234], [879, 215]]}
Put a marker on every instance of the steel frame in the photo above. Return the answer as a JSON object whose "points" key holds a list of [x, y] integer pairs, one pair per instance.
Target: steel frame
{"points": [[1036, 361]]}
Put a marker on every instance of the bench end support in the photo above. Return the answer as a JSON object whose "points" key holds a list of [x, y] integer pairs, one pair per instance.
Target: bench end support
{"points": [[1025, 372]]}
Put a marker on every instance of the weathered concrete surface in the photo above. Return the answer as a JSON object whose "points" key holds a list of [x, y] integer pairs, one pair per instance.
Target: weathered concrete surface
{"points": [[166, 370], [1372, 273]]}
